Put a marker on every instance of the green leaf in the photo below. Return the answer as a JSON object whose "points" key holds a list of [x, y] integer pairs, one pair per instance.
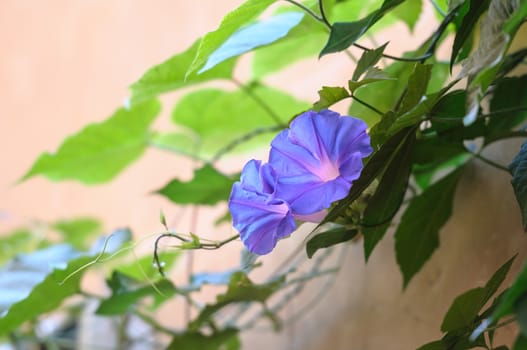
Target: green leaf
{"points": [[466, 307], [176, 142], [208, 187], [36, 283], [344, 34], [518, 169], [520, 312], [508, 103], [127, 292], [388, 197], [516, 291], [414, 115], [409, 12], [368, 60], [240, 289], [476, 9], [170, 75], [383, 94], [226, 340], [417, 84], [232, 22], [15, 242], [252, 36], [435, 345], [329, 238], [329, 95], [102, 150], [417, 235], [372, 75], [375, 165], [517, 18], [302, 41], [219, 117], [520, 343], [78, 232]]}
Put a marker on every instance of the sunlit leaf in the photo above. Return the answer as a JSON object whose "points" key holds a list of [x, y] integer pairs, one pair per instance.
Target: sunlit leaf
{"points": [[208, 186], [252, 36], [302, 41], [218, 117], [170, 75], [417, 235], [232, 22], [102, 150], [372, 75], [15, 242], [368, 60], [329, 95], [78, 232], [409, 12]]}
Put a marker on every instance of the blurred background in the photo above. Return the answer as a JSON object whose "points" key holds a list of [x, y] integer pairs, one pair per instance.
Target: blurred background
{"points": [[66, 64]]}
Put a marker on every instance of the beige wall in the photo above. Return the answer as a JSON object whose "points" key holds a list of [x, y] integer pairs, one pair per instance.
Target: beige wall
{"points": [[68, 63]]}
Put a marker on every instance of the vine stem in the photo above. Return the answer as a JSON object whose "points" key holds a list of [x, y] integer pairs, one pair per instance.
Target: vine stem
{"points": [[435, 36], [212, 245], [491, 163], [306, 9], [367, 105], [260, 102]]}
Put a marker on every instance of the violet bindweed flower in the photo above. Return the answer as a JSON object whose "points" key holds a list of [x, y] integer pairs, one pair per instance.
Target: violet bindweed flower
{"points": [[317, 159], [260, 217]]}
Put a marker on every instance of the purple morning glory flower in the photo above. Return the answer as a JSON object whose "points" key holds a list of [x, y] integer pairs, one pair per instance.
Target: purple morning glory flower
{"points": [[311, 165], [317, 159], [260, 217]]}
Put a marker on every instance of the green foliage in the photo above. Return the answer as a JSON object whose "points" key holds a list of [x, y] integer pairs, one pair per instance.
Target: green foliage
{"points": [[240, 289], [417, 235], [18, 241], [172, 75], [344, 34], [255, 35], [329, 95], [36, 283], [475, 9], [218, 117], [421, 130], [208, 186], [100, 151], [126, 292], [518, 169], [226, 339], [232, 22], [388, 197], [78, 232], [329, 238], [464, 310]]}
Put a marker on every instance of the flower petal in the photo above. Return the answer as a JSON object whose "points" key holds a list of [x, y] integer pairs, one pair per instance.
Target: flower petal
{"points": [[260, 219]]}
